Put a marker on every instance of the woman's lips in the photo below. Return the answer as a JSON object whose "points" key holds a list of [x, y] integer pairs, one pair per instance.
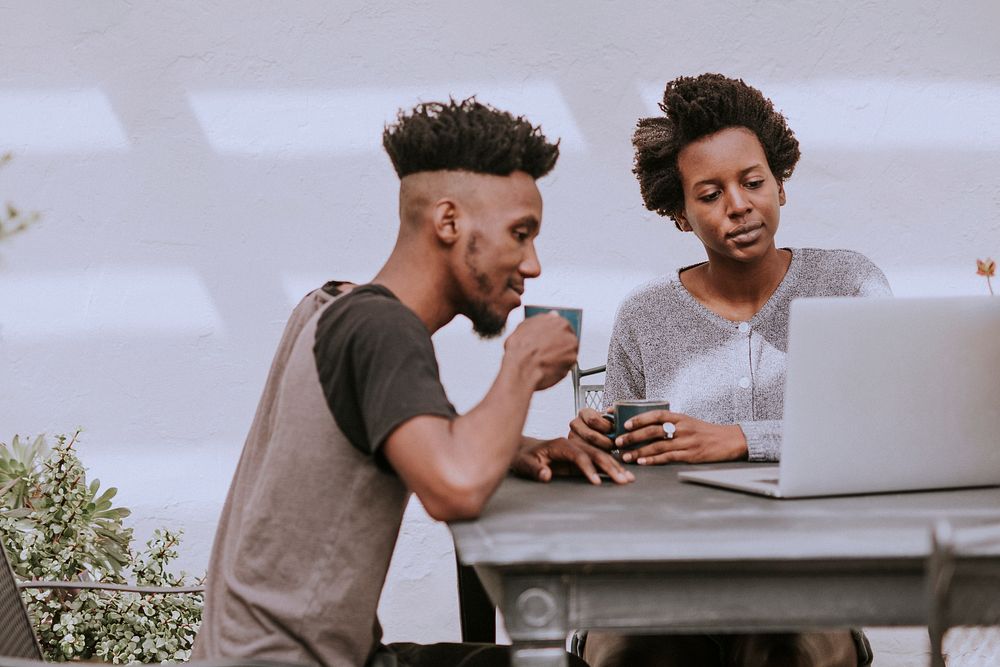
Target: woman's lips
{"points": [[746, 234]]}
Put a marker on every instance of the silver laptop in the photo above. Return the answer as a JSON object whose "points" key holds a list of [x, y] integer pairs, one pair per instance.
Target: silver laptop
{"points": [[884, 394]]}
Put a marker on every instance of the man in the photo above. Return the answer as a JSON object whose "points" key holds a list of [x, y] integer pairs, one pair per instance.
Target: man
{"points": [[354, 417]]}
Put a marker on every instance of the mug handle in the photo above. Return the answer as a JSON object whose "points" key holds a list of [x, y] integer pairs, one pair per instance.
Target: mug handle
{"points": [[614, 451]]}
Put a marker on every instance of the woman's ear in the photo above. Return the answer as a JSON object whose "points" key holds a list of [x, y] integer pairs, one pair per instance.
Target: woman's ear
{"points": [[682, 222], [781, 193]]}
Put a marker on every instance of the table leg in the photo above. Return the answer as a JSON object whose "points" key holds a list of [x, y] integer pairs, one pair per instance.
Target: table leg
{"points": [[535, 612], [539, 656]]}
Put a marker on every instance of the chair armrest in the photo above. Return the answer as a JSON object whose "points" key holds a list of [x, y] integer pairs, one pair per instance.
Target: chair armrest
{"points": [[6, 661], [222, 662], [228, 662], [121, 588], [584, 372]]}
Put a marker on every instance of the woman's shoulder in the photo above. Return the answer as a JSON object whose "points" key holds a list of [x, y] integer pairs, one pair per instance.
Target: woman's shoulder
{"points": [[837, 270], [833, 257], [651, 293], [834, 262]]}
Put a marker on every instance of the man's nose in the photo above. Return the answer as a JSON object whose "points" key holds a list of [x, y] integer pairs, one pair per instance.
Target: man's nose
{"points": [[530, 266]]}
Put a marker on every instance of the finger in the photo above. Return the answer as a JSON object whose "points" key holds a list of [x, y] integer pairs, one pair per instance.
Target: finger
{"points": [[599, 440], [578, 426], [643, 435], [586, 466], [652, 417], [584, 436], [564, 457], [612, 467], [560, 322], [595, 420], [652, 449], [531, 466], [564, 469], [673, 456]]}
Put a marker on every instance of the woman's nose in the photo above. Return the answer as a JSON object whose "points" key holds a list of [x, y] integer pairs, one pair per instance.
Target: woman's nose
{"points": [[738, 202]]}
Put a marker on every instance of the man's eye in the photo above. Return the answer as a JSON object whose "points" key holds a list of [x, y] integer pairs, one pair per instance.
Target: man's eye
{"points": [[521, 236]]}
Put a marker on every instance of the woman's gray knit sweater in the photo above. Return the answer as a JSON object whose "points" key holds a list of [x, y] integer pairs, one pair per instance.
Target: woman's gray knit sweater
{"points": [[667, 345]]}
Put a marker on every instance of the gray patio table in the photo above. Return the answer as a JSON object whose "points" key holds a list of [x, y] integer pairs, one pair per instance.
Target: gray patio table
{"points": [[661, 555]]}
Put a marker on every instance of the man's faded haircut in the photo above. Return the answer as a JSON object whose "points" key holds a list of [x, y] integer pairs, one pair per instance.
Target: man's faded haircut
{"points": [[467, 136], [694, 108]]}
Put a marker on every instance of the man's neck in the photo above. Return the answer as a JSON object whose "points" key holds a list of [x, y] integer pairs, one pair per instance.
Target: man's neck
{"points": [[422, 291]]}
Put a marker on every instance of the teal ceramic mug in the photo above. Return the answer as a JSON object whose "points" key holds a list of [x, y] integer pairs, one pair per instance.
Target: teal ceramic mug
{"points": [[573, 315], [622, 411]]}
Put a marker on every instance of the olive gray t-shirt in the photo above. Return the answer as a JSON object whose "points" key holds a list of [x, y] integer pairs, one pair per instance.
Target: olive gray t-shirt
{"points": [[311, 519]]}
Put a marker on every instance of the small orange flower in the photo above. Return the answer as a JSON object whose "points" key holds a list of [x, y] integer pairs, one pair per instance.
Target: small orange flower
{"points": [[986, 267]]}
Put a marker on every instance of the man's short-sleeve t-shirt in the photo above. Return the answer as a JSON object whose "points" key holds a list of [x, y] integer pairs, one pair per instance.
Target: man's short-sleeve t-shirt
{"points": [[313, 512], [377, 366]]}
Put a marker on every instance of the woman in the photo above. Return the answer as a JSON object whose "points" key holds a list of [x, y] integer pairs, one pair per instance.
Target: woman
{"points": [[711, 338]]}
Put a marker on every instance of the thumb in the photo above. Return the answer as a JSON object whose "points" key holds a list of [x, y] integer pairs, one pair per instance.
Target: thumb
{"points": [[541, 470]]}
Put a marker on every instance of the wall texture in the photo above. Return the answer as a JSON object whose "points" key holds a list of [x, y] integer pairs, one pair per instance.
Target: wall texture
{"points": [[201, 165]]}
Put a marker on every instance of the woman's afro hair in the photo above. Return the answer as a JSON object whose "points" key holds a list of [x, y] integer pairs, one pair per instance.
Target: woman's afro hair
{"points": [[695, 107]]}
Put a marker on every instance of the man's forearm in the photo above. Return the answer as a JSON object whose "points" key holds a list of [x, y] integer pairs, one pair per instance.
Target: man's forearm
{"points": [[486, 439]]}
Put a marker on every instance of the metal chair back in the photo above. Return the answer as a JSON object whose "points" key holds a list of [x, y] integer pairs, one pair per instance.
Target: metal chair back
{"points": [[963, 576], [585, 395], [589, 395], [17, 639]]}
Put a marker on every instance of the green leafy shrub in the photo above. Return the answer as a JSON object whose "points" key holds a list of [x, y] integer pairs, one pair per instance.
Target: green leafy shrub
{"points": [[57, 527]]}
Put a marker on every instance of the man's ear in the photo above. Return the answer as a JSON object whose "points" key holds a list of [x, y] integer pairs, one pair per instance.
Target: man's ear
{"points": [[781, 193], [445, 218]]}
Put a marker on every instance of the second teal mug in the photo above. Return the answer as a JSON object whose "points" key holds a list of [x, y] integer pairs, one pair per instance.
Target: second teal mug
{"points": [[622, 411]]}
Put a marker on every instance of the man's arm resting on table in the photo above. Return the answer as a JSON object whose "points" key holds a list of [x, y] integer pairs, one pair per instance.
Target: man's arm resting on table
{"points": [[451, 485], [455, 465]]}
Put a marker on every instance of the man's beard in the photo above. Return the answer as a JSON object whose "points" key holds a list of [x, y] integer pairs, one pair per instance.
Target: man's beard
{"points": [[486, 322]]}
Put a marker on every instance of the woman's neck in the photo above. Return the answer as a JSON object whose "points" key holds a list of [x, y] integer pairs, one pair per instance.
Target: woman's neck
{"points": [[737, 290]]}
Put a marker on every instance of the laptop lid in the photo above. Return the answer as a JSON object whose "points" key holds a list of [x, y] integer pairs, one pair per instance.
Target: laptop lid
{"points": [[891, 394]]}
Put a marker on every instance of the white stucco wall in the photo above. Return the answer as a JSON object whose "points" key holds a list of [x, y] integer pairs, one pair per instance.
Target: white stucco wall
{"points": [[201, 165]]}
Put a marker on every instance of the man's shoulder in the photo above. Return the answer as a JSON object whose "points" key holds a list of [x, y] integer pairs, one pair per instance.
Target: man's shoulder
{"points": [[370, 317], [369, 305]]}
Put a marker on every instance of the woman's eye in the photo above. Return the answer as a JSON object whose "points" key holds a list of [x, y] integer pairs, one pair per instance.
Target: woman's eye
{"points": [[521, 236], [753, 185], [712, 196]]}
